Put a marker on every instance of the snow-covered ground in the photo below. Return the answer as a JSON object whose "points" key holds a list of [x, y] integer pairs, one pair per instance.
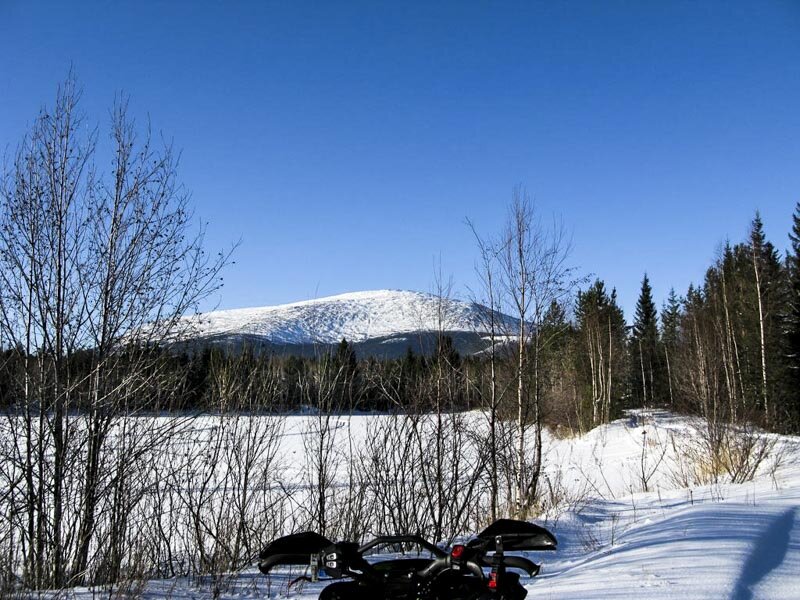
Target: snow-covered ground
{"points": [[618, 541], [736, 541]]}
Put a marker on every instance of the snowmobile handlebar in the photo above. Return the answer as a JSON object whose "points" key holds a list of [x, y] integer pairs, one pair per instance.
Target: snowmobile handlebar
{"points": [[475, 565], [265, 565], [444, 563], [386, 540]]}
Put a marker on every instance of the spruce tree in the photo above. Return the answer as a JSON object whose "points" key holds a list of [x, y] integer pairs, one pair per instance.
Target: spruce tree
{"points": [[767, 291], [346, 357], [600, 353], [645, 375], [757, 240], [670, 318], [346, 363], [670, 328], [447, 353], [793, 319], [410, 363]]}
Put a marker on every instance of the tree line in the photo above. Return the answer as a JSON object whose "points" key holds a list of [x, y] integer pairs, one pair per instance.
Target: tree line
{"points": [[726, 349]]}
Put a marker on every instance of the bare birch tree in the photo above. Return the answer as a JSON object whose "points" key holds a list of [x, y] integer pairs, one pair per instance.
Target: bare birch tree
{"points": [[493, 321], [535, 275], [97, 268]]}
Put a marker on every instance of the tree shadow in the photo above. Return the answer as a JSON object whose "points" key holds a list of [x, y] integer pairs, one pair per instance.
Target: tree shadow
{"points": [[767, 554]]}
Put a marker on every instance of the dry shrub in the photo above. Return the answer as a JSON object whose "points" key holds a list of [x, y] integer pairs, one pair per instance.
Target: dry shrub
{"points": [[719, 452], [564, 432]]}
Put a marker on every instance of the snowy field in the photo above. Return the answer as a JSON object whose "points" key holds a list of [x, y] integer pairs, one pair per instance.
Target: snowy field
{"points": [[616, 540]]}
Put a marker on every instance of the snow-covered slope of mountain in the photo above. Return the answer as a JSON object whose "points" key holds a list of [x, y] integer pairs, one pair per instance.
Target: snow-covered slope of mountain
{"points": [[360, 317]]}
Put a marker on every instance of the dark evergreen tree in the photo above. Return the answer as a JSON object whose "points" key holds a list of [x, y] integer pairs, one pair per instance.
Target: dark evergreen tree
{"points": [[348, 384], [555, 319], [446, 352], [600, 354], [646, 372], [196, 385], [696, 359], [670, 335], [793, 321], [670, 318], [558, 366], [733, 362], [346, 356], [294, 370], [410, 363], [767, 283]]}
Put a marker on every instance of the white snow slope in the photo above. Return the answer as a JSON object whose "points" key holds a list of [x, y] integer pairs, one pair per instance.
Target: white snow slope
{"points": [[356, 316], [731, 541], [616, 541]]}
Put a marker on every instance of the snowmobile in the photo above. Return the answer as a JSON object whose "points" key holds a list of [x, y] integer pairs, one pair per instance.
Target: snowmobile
{"points": [[477, 570]]}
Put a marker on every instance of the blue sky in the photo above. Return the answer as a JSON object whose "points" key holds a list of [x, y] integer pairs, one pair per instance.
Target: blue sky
{"points": [[345, 143]]}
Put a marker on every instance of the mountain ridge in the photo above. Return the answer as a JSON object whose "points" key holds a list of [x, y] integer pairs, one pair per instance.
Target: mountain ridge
{"points": [[379, 322]]}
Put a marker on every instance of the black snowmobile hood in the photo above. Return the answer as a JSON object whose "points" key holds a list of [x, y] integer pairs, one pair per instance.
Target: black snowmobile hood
{"points": [[518, 535], [295, 549]]}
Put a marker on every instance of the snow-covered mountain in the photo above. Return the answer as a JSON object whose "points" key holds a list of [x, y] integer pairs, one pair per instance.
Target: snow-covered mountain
{"points": [[381, 323]]}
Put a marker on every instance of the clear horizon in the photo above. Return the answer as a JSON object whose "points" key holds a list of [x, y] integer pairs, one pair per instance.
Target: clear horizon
{"points": [[346, 145]]}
